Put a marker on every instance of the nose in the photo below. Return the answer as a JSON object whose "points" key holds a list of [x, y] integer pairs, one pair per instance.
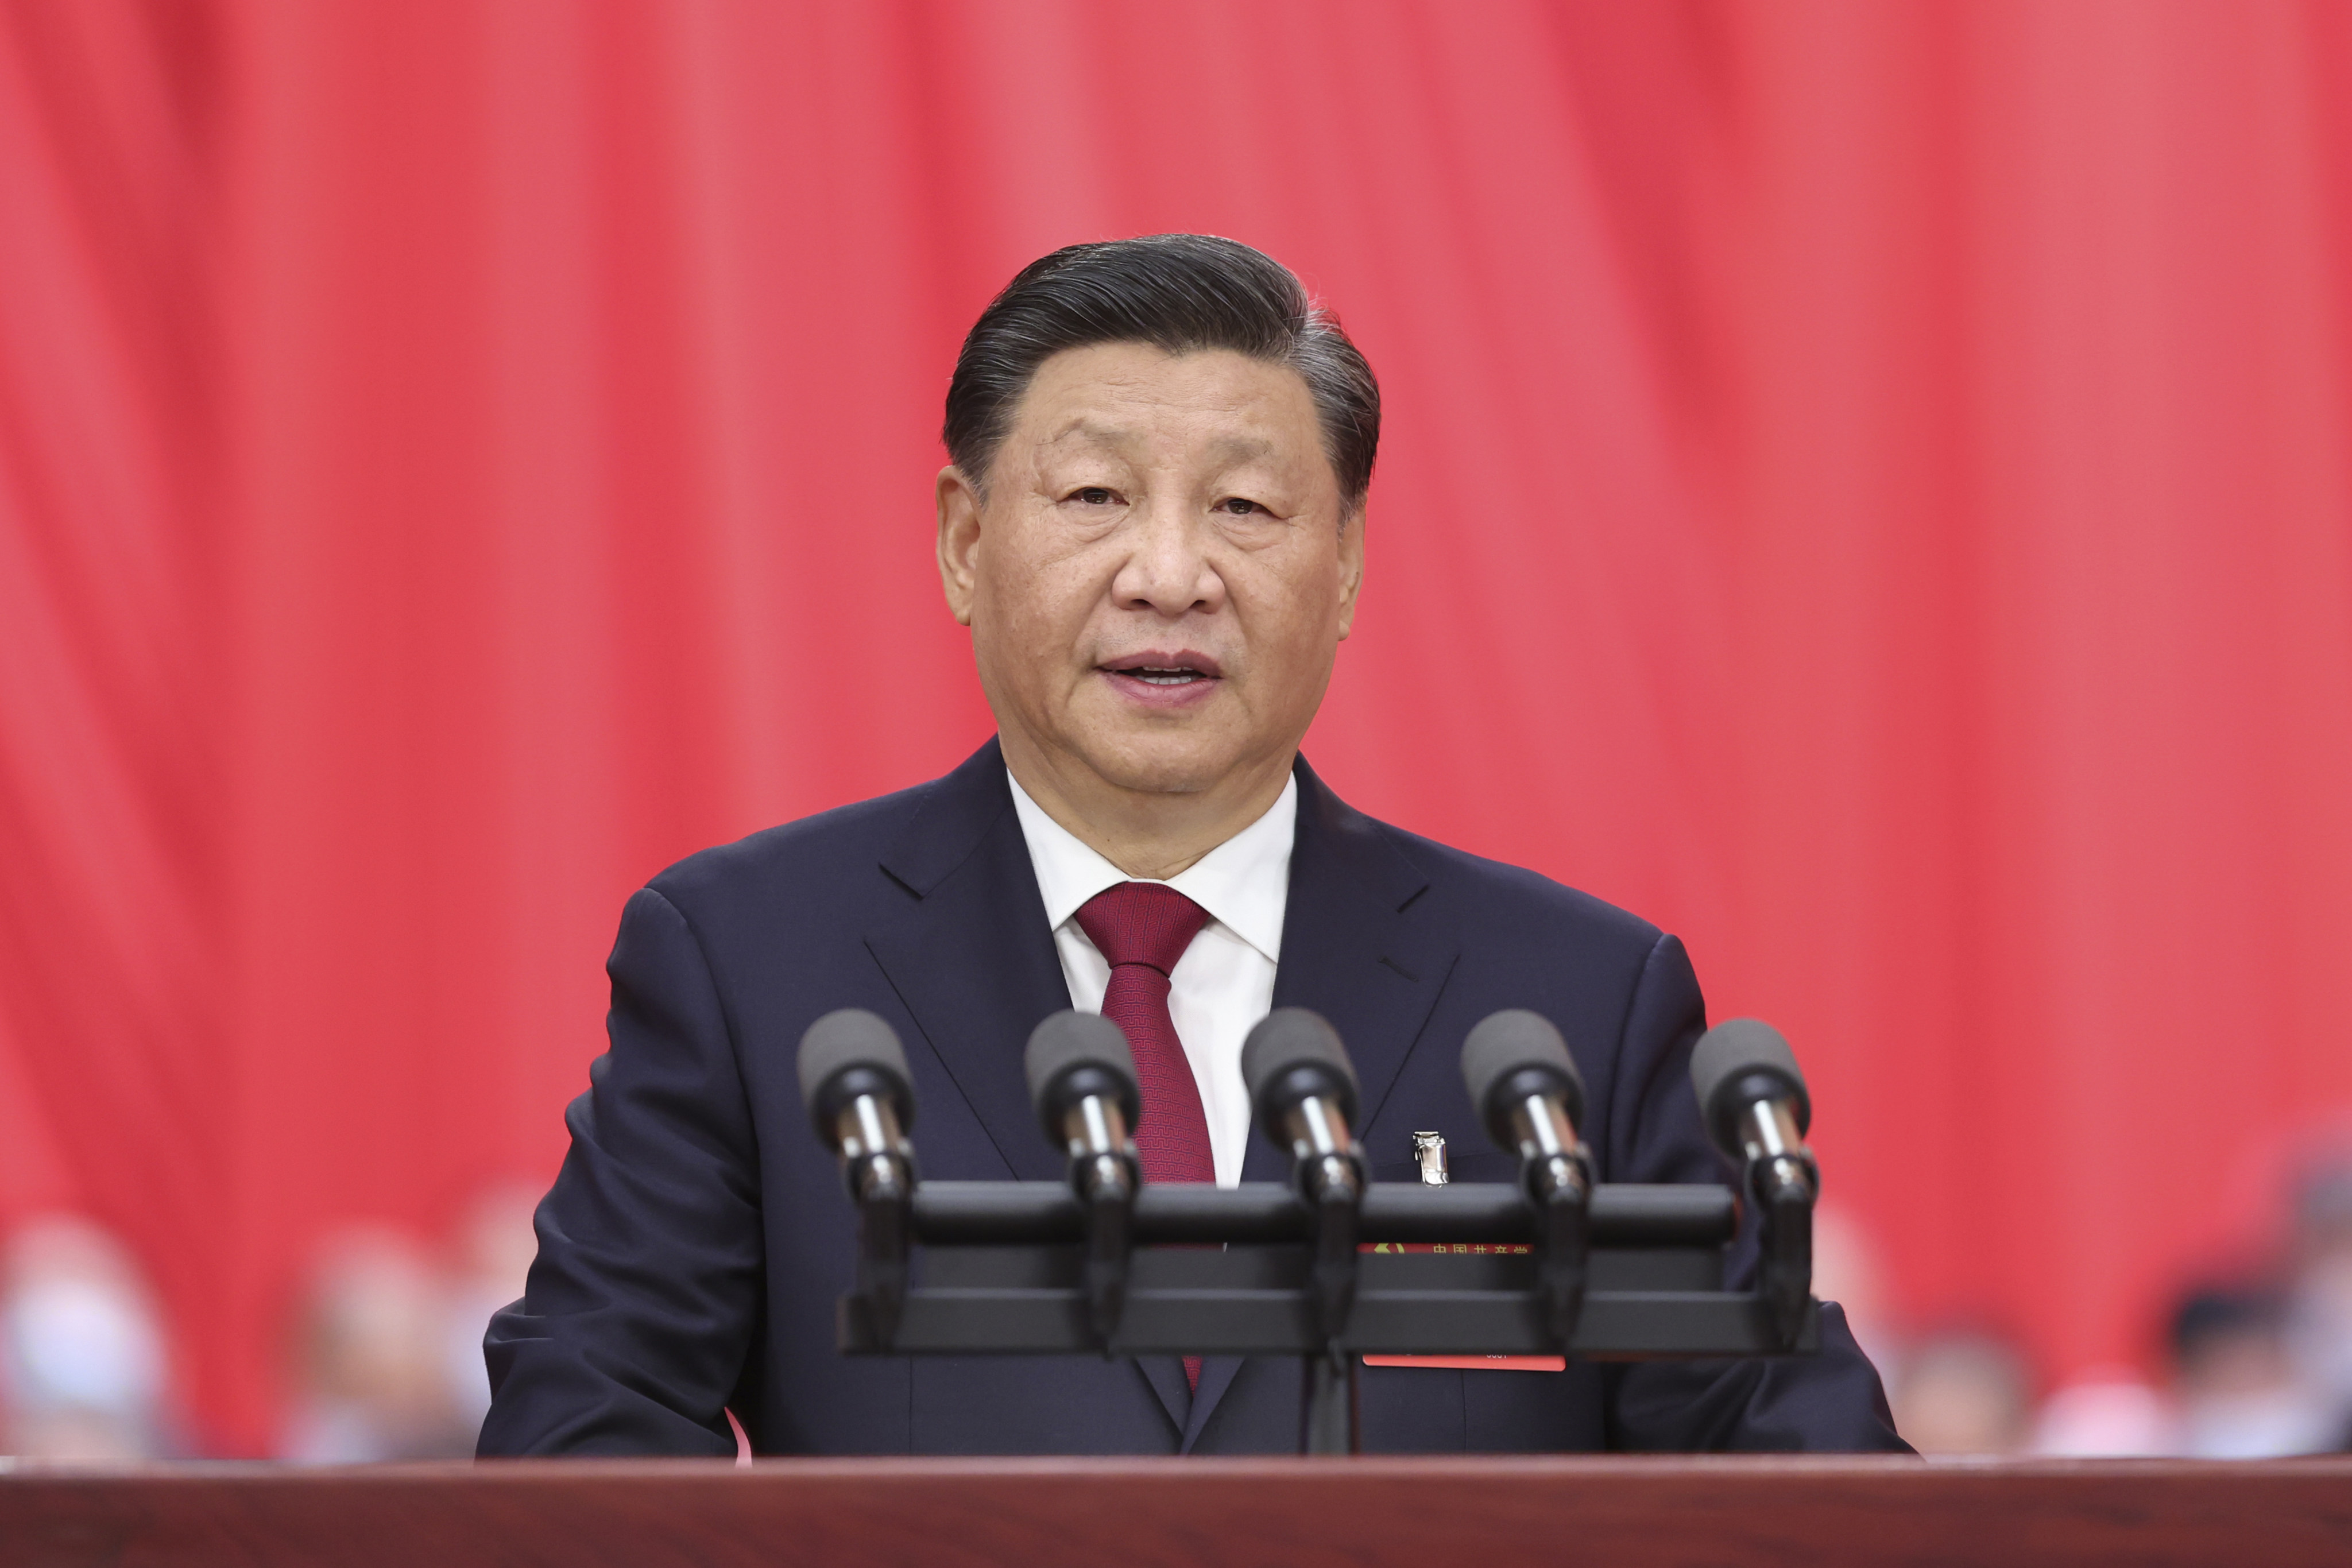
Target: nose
{"points": [[1168, 569]]}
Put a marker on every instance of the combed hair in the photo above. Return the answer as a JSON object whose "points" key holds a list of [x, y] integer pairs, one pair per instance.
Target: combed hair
{"points": [[1180, 293]]}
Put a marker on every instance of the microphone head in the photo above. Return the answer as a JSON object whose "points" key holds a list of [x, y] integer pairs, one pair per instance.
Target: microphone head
{"points": [[850, 1052], [1073, 1055], [1291, 1054], [1511, 1056], [1736, 1063]]}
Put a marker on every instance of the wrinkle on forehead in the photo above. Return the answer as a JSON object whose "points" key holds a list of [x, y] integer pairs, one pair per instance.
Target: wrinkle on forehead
{"points": [[1084, 429]]}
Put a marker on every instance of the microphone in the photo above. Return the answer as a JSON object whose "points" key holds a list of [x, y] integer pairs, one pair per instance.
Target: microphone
{"points": [[1527, 1092], [1753, 1099], [1525, 1089], [1302, 1088], [1304, 1093], [1082, 1082], [854, 1079]]}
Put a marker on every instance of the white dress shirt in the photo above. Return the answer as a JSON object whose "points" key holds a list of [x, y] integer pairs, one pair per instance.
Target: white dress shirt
{"points": [[1225, 982]]}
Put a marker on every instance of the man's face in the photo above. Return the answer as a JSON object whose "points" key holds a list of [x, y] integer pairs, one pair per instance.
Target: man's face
{"points": [[1160, 574]]}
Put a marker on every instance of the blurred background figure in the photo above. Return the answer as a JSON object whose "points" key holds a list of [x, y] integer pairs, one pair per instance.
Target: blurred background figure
{"points": [[1958, 1390], [2235, 1382], [1848, 1269], [2319, 1296], [371, 1372], [2108, 1412], [495, 1245], [84, 1356], [1963, 1391]]}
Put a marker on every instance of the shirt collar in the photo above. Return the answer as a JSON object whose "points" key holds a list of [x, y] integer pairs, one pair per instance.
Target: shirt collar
{"points": [[1244, 883]]}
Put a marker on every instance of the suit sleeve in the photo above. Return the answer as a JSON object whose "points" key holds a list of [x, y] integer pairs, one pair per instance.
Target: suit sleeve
{"points": [[1826, 1402], [640, 1308]]}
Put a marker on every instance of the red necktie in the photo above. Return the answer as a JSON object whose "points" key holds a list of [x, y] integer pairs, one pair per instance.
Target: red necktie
{"points": [[1143, 928]]}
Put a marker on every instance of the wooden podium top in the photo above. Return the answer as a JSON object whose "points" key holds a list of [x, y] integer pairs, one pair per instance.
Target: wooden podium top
{"points": [[1454, 1513]]}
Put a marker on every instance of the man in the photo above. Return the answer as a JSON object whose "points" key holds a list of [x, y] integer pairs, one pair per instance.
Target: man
{"points": [[1153, 524]]}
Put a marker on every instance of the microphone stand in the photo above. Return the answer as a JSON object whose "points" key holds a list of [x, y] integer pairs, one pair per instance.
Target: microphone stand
{"points": [[1004, 1267]]}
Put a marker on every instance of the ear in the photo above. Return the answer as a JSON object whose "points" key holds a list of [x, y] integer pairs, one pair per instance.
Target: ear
{"points": [[1351, 567], [959, 506]]}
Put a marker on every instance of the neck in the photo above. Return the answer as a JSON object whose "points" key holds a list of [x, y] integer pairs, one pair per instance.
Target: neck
{"points": [[1150, 834]]}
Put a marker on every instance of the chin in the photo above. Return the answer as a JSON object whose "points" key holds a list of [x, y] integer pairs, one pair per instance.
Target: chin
{"points": [[1162, 770]]}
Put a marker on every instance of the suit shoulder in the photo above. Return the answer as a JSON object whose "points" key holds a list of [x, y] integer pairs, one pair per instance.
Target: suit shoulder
{"points": [[827, 844], [1514, 897]]}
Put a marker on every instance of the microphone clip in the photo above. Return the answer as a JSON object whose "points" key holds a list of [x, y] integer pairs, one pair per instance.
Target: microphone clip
{"points": [[853, 1078], [1105, 1174], [1327, 1164], [1530, 1094], [1556, 1175], [877, 1165], [1081, 1082], [1303, 1092], [1783, 1181], [1753, 1103], [1328, 1168]]}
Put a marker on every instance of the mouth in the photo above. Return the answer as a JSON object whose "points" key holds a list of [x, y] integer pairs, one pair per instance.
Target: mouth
{"points": [[1161, 673]]}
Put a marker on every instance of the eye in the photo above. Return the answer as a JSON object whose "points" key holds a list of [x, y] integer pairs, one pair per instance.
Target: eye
{"points": [[1092, 495], [1236, 507]]}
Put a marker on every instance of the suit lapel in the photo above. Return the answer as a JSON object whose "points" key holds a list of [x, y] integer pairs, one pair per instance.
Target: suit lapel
{"points": [[972, 959], [1352, 951], [1351, 948], [1217, 1374], [970, 955]]}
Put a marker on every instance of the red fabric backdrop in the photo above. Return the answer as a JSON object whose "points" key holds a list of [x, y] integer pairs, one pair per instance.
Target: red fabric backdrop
{"points": [[1866, 486]]}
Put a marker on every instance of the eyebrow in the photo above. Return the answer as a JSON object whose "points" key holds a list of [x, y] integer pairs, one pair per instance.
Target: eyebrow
{"points": [[1241, 448]]}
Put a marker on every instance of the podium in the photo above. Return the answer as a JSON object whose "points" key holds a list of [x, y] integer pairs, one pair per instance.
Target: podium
{"points": [[1622, 1510]]}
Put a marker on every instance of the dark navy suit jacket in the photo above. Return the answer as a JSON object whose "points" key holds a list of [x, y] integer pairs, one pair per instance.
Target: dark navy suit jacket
{"points": [[692, 1248]]}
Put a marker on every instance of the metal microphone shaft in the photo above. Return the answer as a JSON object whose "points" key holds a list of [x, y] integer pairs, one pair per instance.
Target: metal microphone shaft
{"points": [[854, 1079], [1752, 1097], [1527, 1092], [1303, 1090], [1082, 1083]]}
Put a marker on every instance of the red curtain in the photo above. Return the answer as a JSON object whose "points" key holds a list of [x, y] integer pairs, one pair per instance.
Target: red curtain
{"points": [[1868, 486]]}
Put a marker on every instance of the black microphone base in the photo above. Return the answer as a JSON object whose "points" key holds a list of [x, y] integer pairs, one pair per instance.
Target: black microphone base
{"points": [[1645, 1305]]}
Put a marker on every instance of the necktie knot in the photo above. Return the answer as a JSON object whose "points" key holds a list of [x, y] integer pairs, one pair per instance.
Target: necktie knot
{"points": [[1147, 923]]}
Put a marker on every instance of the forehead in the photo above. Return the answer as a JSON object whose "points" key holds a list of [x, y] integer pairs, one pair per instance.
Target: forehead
{"points": [[1123, 394]]}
